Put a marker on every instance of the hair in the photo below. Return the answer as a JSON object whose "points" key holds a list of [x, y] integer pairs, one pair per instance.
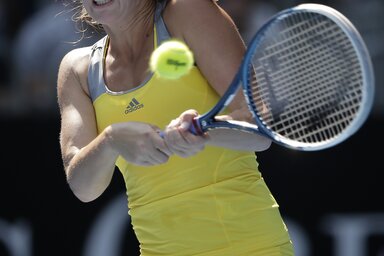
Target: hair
{"points": [[83, 19]]}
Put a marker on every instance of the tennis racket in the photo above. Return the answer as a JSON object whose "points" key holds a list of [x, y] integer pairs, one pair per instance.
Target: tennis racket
{"points": [[307, 78], [309, 67]]}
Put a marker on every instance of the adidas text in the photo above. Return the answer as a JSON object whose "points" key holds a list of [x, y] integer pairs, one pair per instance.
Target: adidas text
{"points": [[133, 106]]}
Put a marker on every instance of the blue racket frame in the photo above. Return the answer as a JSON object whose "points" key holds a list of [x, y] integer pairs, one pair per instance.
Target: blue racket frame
{"points": [[205, 123]]}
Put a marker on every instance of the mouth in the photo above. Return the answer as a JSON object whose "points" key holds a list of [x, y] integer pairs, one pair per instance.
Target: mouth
{"points": [[101, 2]]}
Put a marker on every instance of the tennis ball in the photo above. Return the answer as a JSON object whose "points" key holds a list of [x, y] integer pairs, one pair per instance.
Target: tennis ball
{"points": [[171, 60]]}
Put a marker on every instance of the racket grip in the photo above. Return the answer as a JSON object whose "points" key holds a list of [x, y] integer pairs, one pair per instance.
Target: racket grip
{"points": [[195, 128]]}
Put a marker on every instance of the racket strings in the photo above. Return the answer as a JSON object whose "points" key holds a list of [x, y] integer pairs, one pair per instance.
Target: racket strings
{"points": [[306, 62], [306, 49], [290, 63]]}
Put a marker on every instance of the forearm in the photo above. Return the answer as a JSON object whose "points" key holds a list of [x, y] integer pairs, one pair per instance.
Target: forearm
{"points": [[91, 168], [235, 139], [238, 140]]}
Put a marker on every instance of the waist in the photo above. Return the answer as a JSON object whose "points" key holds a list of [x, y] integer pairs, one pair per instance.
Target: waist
{"points": [[180, 175], [232, 213]]}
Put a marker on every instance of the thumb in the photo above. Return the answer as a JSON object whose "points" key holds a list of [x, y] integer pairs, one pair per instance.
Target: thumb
{"points": [[186, 119]]}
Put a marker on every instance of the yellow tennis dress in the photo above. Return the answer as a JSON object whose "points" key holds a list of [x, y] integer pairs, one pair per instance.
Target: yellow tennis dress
{"points": [[214, 203]]}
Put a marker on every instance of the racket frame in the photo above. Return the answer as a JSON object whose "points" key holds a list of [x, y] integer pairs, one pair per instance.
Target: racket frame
{"points": [[206, 121]]}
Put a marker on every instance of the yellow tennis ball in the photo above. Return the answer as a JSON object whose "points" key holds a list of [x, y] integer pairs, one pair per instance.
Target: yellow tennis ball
{"points": [[171, 60]]}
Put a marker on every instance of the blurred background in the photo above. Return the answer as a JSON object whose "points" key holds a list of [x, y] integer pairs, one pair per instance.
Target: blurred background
{"points": [[332, 200]]}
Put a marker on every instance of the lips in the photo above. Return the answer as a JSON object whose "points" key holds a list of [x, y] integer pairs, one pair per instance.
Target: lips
{"points": [[101, 2]]}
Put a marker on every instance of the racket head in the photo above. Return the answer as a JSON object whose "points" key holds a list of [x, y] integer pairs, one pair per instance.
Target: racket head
{"points": [[311, 69]]}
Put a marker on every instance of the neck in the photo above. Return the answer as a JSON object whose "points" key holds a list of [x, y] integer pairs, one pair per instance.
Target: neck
{"points": [[132, 36]]}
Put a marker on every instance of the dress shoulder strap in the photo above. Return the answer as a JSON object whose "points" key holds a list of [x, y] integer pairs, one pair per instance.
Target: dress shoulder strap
{"points": [[96, 84], [162, 32]]}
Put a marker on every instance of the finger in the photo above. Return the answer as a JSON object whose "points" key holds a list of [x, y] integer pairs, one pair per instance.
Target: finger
{"points": [[161, 145], [139, 161], [192, 139], [175, 141], [158, 157], [165, 150], [186, 119], [185, 149], [174, 122]]}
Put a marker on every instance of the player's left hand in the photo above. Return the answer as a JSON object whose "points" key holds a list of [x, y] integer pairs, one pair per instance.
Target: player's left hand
{"points": [[180, 140]]}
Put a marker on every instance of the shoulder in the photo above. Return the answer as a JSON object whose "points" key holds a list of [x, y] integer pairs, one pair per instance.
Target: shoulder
{"points": [[187, 5], [73, 70], [185, 10], [181, 15], [76, 59], [74, 66]]}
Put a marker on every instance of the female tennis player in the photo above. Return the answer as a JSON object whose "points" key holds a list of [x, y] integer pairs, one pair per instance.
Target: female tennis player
{"points": [[187, 194]]}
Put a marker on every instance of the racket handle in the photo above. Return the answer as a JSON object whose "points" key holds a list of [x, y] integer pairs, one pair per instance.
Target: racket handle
{"points": [[195, 128]]}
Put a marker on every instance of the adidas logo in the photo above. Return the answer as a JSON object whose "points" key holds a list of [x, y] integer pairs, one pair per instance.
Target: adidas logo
{"points": [[133, 106]]}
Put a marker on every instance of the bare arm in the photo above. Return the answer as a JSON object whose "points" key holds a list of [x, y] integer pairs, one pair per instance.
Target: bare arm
{"points": [[88, 157], [218, 50]]}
